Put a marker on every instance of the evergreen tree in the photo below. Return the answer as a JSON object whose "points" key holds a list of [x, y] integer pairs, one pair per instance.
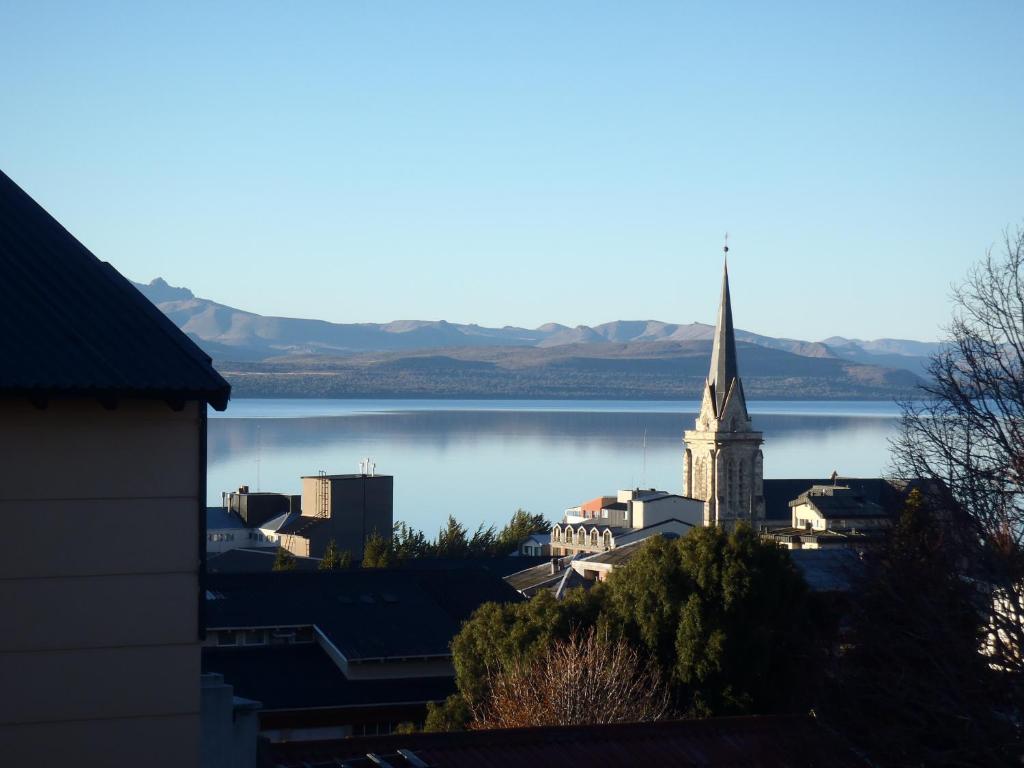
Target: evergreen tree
{"points": [[409, 543], [378, 552], [335, 559], [483, 542], [284, 561], [451, 540], [519, 529], [726, 618]]}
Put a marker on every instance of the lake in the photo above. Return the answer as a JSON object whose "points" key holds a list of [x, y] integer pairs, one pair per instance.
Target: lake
{"points": [[480, 460]]}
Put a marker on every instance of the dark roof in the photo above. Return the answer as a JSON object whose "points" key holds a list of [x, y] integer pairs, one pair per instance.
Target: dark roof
{"points": [[221, 517], [501, 566], [253, 560], [74, 327], [530, 580], [839, 502], [889, 494], [367, 614], [301, 525], [302, 676], [790, 741], [828, 570]]}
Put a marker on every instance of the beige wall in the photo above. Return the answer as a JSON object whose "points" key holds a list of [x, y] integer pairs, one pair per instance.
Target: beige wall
{"points": [[99, 658], [647, 513]]}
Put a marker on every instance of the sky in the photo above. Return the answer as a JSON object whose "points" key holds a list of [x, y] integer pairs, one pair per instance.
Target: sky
{"points": [[516, 163]]}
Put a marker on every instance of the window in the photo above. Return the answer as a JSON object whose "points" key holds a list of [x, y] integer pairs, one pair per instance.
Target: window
{"points": [[556, 534], [227, 637], [255, 637], [581, 536], [608, 539], [568, 534], [593, 538]]}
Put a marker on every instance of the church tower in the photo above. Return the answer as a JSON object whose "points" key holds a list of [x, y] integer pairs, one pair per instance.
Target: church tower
{"points": [[723, 461]]}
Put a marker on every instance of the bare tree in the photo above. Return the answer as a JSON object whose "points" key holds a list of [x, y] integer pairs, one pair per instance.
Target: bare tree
{"points": [[967, 433], [585, 679]]}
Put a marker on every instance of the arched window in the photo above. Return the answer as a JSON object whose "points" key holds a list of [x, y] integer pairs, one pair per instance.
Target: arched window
{"points": [[593, 537], [581, 536], [731, 485], [568, 534], [741, 495], [608, 539], [556, 533]]}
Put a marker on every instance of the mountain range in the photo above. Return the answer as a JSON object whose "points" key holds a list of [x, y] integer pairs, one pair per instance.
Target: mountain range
{"points": [[268, 356]]}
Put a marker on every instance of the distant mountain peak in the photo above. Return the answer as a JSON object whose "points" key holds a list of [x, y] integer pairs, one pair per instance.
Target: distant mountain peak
{"points": [[159, 291]]}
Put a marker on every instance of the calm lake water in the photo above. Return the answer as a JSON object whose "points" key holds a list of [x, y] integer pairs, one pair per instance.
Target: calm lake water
{"points": [[480, 460]]}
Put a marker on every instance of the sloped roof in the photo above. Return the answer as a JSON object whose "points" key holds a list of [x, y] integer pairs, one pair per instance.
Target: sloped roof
{"points": [[74, 327], [724, 368], [888, 494], [367, 614], [303, 676], [252, 560], [219, 518], [776, 741]]}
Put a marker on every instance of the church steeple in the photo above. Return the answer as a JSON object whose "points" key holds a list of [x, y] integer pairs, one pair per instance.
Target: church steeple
{"points": [[724, 371], [723, 461]]}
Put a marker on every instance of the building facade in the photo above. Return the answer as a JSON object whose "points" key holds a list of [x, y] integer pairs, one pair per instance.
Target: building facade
{"points": [[103, 407], [723, 463]]}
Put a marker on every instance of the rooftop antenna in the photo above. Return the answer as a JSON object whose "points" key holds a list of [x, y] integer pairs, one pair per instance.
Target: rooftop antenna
{"points": [[725, 248]]}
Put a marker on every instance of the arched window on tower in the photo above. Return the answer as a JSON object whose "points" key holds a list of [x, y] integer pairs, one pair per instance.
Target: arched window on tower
{"points": [[742, 498], [731, 485]]}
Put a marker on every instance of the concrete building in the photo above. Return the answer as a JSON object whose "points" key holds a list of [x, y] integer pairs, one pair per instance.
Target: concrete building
{"points": [[225, 530], [345, 508], [723, 463], [255, 508], [103, 491], [609, 521]]}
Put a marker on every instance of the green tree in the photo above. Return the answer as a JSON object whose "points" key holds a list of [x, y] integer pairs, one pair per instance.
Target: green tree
{"points": [[725, 617], [409, 543], [913, 688], [284, 561], [451, 540], [498, 636], [519, 529], [378, 552], [335, 559], [450, 715], [483, 542]]}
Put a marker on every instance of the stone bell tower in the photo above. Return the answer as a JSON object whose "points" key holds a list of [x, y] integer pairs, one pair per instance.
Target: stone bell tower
{"points": [[723, 460]]}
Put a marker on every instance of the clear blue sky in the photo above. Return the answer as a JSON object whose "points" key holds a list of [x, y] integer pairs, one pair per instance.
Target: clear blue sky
{"points": [[525, 162]]}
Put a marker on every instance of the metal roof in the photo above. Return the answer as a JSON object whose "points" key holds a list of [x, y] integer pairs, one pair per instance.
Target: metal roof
{"points": [[302, 676], [367, 613], [777, 741], [74, 327]]}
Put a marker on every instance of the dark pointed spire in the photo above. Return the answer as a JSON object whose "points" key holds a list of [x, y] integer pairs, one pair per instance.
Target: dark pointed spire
{"points": [[723, 353]]}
